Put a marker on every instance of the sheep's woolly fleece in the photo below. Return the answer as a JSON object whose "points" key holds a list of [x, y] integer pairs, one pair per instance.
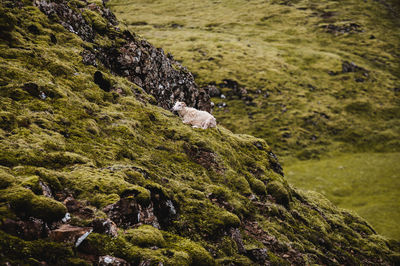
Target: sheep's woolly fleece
{"points": [[196, 118]]}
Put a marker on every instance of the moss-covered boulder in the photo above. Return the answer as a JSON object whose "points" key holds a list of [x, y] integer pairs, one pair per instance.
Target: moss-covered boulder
{"points": [[25, 204], [145, 236], [279, 192]]}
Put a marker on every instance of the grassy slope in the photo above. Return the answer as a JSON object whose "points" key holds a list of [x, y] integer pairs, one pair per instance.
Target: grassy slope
{"points": [[366, 183], [282, 49], [100, 146]]}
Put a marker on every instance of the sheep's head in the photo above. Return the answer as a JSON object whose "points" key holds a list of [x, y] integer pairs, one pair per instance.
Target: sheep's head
{"points": [[178, 106]]}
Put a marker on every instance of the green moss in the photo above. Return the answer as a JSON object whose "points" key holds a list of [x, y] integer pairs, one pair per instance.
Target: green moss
{"points": [[229, 219], [257, 186], [20, 252], [279, 192], [6, 179], [95, 19], [228, 246], [7, 121], [26, 204], [145, 236], [198, 255], [32, 182], [100, 200]]}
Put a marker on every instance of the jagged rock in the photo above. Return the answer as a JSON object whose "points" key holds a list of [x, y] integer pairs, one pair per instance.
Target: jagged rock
{"points": [[88, 58], [104, 226], [112, 261], [72, 204], [127, 212], [139, 61], [68, 233], [46, 189], [259, 255], [68, 17], [31, 229], [213, 91], [274, 163], [150, 68], [163, 207]]}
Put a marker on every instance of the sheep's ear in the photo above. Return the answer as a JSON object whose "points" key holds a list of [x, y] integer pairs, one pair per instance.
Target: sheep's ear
{"points": [[183, 104]]}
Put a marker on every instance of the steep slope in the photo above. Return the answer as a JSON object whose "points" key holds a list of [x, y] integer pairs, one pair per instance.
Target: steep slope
{"points": [[309, 77], [84, 151], [313, 78]]}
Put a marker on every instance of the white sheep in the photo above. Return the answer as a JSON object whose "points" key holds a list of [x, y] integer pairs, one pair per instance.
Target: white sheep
{"points": [[196, 118]]}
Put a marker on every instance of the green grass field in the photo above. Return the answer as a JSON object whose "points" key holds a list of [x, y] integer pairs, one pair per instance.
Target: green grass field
{"points": [[289, 56], [368, 183]]}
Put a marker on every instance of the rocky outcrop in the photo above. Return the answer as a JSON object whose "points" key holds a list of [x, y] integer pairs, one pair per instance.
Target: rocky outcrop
{"points": [[128, 55]]}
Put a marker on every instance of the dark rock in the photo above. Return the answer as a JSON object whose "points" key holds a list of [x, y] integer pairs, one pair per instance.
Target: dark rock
{"points": [[112, 261], [68, 233], [30, 229], [158, 74], [332, 73], [259, 145], [274, 163], [72, 204], [103, 83], [359, 79], [127, 212], [53, 38], [237, 237], [351, 67], [341, 29], [85, 213], [88, 58], [32, 89], [228, 83], [34, 29], [259, 255], [146, 263], [213, 91], [46, 189], [104, 226], [68, 17], [163, 207]]}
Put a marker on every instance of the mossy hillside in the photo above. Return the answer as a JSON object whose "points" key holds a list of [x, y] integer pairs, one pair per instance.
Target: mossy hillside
{"points": [[289, 56], [100, 146]]}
